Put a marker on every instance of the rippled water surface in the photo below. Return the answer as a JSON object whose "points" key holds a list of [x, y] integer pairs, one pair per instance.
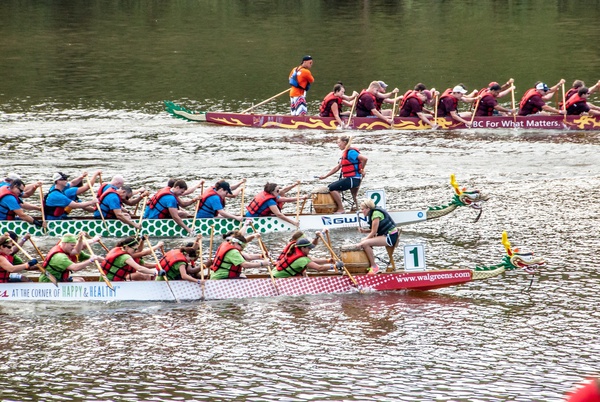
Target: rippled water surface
{"points": [[82, 90]]}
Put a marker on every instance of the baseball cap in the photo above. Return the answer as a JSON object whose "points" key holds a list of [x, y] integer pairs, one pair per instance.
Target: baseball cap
{"points": [[542, 86], [69, 238], [306, 58], [225, 186], [383, 84], [304, 242], [13, 176], [460, 89], [59, 176]]}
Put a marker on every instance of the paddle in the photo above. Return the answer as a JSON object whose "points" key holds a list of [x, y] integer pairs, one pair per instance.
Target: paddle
{"points": [[435, 108], [512, 96], [564, 103], [352, 111], [42, 269], [137, 231], [336, 258], [158, 267], [332, 254], [103, 245], [37, 249], [102, 274], [394, 110], [97, 204], [475, 111], [265, 254], [267, 100], [42, 203], [298, 205], [197, 207], [202, 285]]}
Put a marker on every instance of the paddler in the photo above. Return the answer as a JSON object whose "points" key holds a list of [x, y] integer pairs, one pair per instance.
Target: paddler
{"points": [[12, 205], [534, 100], [448, 104], [166, 202], [11, 264], [212, 202], [175, 264], [62, 198], [296, 261], [111, 204], [382, 231], [68, 256], [229, 258], [333, 102], [270, 201], [366, 105], [121, 265], [413, 102]]}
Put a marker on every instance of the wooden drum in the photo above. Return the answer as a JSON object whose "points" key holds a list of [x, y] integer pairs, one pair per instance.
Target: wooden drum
{"points": [[323, 201], [355, 259]]}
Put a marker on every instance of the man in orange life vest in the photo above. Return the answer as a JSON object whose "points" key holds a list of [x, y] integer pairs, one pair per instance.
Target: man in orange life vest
{"points": [[413, 102], [352, 165], [366, 105], [448, 104], [577, 104], [488, 100], [534, 100], [300, 79]]}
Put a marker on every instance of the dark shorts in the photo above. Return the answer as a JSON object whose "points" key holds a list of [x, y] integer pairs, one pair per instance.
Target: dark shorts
{"points": [[344, 184], [392, 238]]}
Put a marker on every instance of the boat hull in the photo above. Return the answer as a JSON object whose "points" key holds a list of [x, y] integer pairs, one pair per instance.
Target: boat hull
{"points": [[169, 228], [405, 123], [231, 289]]}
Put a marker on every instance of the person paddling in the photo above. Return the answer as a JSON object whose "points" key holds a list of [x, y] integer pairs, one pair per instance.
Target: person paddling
{"points": [[270, 201], [12, 205], [67, 256], [166, 202], [212, 202], [57, 204], [229, 259], [534, 100], [11, 264], [120, 265], [296, 261]]}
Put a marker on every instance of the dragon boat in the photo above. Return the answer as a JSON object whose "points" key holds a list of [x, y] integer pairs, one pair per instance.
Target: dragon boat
{"points": [[268, 224], [261, 285], [400, 123]]}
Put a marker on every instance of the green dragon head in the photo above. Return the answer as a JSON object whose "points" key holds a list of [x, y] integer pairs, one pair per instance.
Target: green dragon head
{"points": [[523, 259], [473, 198]]}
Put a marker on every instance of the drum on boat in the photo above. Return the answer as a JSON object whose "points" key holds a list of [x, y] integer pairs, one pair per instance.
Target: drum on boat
{"points": [[355, 259], [323, 201]]}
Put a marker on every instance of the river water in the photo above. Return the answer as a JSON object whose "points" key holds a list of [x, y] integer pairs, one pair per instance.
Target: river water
{"points": [[83, 89]]}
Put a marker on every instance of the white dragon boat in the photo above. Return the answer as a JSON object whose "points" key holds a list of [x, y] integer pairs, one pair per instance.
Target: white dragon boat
{"points": [[264, 286]]}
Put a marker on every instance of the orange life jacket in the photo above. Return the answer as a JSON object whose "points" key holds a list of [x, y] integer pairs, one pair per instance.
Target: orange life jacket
{"points": [[285, 264], [5, 192], [259, 200], [169, 260], [325, 108], [112, 272], [225, 247], [155, 201], [528, 95], [54, 271], [350, 169], [4, 274]]}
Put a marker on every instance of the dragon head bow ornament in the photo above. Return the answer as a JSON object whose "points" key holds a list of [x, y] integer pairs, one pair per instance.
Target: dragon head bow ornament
{"points": [[462, 198], [523, 259]]}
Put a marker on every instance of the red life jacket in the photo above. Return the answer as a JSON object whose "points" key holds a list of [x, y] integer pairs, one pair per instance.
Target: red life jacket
{"points": [[209, 193], [169, 260], [57, 250], [325, 108], [101, 189], [568, 95], [528, 95], [225, 247], [52, 211], [4, 275], [485, 92], [350, 169], [448, 94], [108, 214], [258, 201], [155, 200], [285, 250], [408, 95], [5, 192], [573, 100], [112, 272], [285, 263]]}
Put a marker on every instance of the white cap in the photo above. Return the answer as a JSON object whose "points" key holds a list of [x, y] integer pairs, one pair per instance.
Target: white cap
{"points": [[13, 176], [59, 176], [542, 87], [460, 89]]}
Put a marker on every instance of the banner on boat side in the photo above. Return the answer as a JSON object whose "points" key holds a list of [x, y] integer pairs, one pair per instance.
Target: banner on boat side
{"points": [[414, 257], [378, 196]]}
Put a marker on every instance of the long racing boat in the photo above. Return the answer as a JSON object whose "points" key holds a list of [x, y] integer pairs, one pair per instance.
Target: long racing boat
{"points": [[555, 122], [268, 224], [264, 286]]}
